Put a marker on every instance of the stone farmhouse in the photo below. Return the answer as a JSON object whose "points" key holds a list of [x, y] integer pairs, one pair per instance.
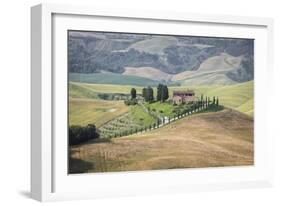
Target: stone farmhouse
{"points": [[180, 97]]}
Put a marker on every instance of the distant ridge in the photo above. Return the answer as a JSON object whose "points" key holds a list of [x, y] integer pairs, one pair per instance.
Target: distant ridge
{"points": [[111, 78], [148, 72], [224, 60]]}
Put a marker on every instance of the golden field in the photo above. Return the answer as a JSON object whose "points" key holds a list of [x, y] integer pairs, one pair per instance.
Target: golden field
{"points": [[223, 138]]}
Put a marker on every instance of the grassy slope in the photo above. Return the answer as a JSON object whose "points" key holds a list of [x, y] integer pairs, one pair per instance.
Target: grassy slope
{"points": [[167, 108], [204, 140], [79, 91], [141, 117], [89, 111], [106, 88], [110, 78], [238, 96], [83, 111]]}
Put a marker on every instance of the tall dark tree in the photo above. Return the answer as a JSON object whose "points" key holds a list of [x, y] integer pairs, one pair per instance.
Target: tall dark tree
{"points": [[133, 93], [144, 94], [159, 92], [162, 93], [202, 100], [217, 102], [149, 94], [165, 93]]}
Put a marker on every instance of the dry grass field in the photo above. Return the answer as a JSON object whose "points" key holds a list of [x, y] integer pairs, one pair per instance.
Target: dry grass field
{"points": [[84, 111], [223, 138]]}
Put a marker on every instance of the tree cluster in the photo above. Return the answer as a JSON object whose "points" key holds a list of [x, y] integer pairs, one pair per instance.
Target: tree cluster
{"points": [[162, 93], [147, 94], [79, 134]]}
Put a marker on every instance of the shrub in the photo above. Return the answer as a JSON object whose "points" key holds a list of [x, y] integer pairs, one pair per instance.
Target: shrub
{"points": [[79, 134], [129, 102]]}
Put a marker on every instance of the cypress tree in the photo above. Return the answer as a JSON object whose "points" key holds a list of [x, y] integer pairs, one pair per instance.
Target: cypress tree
{"points": [[144, 94], [133, 93], [150, 96], [159, 92], [165, 93]]}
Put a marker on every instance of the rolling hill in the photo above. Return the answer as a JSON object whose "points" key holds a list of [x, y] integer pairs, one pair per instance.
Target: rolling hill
{"points": [[111, 78], [154, 45], [223, 138], [184, 57], [78, 89], [213, 71], [147, 72], [237, 96]]}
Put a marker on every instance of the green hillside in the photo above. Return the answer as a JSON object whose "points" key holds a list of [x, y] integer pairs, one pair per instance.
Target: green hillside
{"points": [[78, 91], [111, 78], [237, 96], [100, 88]]}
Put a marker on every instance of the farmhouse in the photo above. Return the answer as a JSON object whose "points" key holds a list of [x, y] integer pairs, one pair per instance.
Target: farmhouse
{"points": [[180, 97]]}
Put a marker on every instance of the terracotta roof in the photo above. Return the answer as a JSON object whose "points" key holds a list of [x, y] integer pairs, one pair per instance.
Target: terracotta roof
{"points": [[183, 92]]}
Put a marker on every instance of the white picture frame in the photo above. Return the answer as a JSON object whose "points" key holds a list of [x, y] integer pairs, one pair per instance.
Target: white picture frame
{"points": [[49, 178]]}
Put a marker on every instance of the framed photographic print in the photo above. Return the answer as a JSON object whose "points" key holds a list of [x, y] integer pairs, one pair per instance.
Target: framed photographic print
{"points": [[137, 102]]}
